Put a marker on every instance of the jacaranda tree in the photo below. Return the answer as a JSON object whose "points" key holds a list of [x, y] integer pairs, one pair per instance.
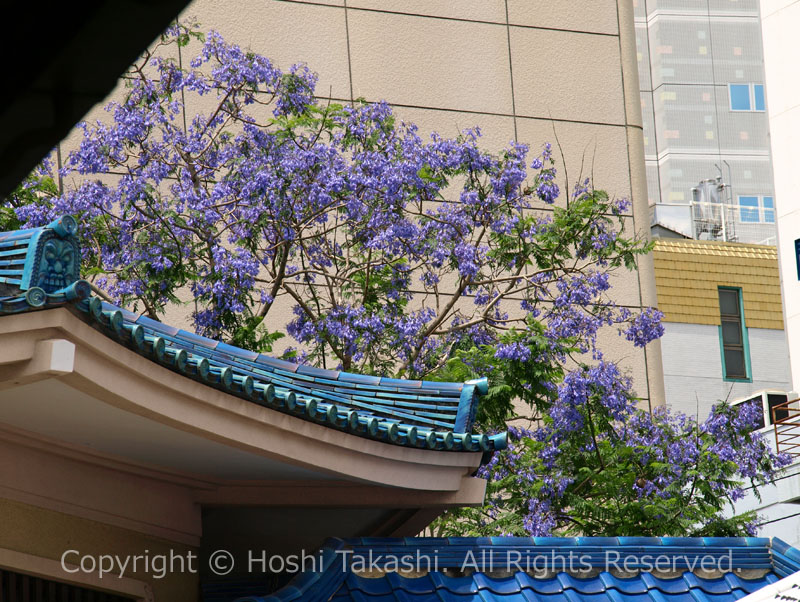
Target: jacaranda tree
{"points": [[399, 255]]}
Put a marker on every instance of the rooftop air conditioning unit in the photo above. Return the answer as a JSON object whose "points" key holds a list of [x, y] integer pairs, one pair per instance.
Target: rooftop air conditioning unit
{"points": [[707, 209]]}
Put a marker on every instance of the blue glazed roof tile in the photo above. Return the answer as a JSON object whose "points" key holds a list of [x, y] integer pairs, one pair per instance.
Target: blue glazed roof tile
{"points": [[128, 316], [547, 582], [237, 352], [792, 554], [156, 326], [428, 415], [554, 541], [399, 382], [640, 541], [274, 362], [361, 379], [196, 340], [630, 586], [318, 372]]}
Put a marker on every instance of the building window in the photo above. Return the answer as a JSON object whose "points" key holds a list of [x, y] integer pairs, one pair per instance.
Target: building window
{"points": [[747, 97], [733, 335], [767, 403], [797, 255], [768, 204], [757, 209], [758, 97]]}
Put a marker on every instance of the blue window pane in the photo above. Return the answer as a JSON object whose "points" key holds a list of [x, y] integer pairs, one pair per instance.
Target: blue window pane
{"points": [[740, 97], [758, 93], [748, 208], [769, 209]]}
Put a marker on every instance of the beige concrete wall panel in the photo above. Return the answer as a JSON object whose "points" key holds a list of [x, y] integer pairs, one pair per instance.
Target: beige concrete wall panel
{"points": [[261, 112], [630, 66], [589, 151], [779, 33], [638, 182], [784, 130], [428, 62], [566, 75], [595, 16], [496, 131], [287, 33], [493, 11], [631, 359], [625, 288], [327, 2], [779, 23], [31, 472], [655, 375], [770, 7], [639, 204]]}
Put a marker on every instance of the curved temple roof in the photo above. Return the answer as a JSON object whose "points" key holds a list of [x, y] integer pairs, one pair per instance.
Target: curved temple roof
{"points": [[39, 269]]}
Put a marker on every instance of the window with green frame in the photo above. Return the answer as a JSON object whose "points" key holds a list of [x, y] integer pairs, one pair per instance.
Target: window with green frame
{"points": [[733, 338]]}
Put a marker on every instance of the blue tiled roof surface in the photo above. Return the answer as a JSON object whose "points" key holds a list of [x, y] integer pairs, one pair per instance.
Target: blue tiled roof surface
{"points": [[39, 269], [522, 587], [544, 579]]}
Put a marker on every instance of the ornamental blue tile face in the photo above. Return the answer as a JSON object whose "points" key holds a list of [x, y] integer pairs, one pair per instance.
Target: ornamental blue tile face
{"points": [[40, 268], [58, 264]]}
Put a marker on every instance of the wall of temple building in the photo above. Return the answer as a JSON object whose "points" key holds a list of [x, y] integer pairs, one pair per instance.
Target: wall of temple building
{"points": [[34, 539]]}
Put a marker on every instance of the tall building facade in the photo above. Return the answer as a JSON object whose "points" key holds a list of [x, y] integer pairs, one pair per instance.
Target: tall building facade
{"points": [[718, 102], [701, 72], [780, 20]]}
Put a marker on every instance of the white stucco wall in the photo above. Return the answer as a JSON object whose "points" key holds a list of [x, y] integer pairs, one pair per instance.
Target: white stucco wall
{"points": [[693, 367], [780, 20], [779, 508], [693, 383]]}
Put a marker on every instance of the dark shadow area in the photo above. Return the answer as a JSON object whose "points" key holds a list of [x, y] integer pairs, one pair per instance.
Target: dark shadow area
{"points": [[60, 59]]}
